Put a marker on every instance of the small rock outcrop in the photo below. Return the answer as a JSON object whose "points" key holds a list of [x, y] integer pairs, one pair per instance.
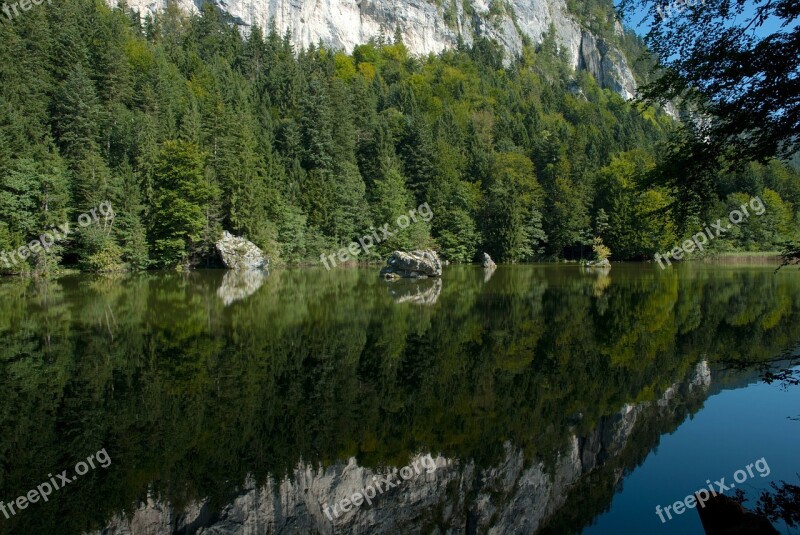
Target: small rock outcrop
{"points": [[241, 254], [604, 263], [412, 265], [488, 262]]}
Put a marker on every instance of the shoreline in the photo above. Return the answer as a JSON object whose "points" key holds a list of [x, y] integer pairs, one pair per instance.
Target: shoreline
{"points": [[754, 258]]}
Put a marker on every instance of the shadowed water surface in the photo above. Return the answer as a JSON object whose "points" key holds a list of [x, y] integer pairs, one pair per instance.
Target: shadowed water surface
{"points": [[554, 400]]}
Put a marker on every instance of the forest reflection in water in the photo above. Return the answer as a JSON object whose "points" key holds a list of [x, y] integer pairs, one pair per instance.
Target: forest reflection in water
{"points": [[203, 385]]}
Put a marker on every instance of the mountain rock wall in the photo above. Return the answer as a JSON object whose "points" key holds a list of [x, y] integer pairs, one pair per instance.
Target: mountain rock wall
{"points": [[426, 27]]}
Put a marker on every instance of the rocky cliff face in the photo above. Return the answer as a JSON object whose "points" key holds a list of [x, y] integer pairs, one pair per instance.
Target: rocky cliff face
{"points": [[427, 27], [512, 497]]}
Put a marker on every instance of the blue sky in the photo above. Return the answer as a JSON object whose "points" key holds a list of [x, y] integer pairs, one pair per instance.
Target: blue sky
{"points": [[769, 27]]}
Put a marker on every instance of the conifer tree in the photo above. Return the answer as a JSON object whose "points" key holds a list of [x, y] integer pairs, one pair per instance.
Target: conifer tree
{"points": [[178, 220]]}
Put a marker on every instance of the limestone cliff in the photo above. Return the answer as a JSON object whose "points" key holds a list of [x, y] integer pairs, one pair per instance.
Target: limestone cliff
{"points": [[427, 27]]}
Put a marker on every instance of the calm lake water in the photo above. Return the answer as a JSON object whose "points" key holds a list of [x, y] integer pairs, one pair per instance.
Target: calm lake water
{"points": [[552, 400]]}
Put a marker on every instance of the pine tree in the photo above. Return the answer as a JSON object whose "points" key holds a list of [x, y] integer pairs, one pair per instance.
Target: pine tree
{"points": [[178, 219], [129, 210], [77, 115], [418, 155], [513, 192]]}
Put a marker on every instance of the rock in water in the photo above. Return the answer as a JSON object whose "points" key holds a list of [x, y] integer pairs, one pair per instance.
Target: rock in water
{"points": [[604, 263], [488, 262], [239, 253], [412, 265]]}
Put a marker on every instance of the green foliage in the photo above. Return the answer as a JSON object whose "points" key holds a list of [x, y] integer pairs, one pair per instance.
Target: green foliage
{"points": [[734, 64], [106, 258], [181, 197], [601, 252], [306, 151], [513, 194], [632, 220], [34, 197]]}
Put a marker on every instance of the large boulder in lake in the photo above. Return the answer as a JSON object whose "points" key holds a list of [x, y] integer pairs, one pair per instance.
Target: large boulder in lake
{"points": [[412, 265], [241, 254], [488, 262]]}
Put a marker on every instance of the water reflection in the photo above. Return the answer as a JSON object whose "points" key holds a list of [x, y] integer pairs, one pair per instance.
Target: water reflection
{"points": [[240, 284], [536, 388], [416, 291], [488, 271]]}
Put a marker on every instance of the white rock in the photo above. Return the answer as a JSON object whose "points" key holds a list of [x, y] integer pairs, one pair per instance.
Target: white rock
{"points": [[239, 253]]}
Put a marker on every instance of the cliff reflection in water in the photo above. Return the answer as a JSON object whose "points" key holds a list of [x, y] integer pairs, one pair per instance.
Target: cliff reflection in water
{"points": [[535, 388]]}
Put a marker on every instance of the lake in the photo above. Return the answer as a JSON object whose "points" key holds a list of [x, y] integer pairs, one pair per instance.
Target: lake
{"points": [[532, 399]]}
